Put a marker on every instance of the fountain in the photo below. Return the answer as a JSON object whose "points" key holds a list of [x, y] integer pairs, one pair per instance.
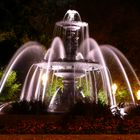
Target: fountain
{"points": [[73, 69]]}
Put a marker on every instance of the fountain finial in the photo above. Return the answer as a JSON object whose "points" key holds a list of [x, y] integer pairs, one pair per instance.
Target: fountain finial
{"points": [[72, 15]]}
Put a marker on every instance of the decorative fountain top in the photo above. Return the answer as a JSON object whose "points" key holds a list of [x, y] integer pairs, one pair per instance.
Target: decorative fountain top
{"points": [[71, 16], [83, 68], [72, 32]]}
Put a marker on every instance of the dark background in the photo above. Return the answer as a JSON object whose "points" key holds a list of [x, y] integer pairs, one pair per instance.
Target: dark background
{"points": [[115, 22]]}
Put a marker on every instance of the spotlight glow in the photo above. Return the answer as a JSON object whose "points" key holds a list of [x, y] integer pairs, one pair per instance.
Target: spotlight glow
{"points": [[114, 88], [138, 95], [44, 79]]}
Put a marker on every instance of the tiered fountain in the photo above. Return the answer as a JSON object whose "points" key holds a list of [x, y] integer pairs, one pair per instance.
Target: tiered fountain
{"points": [[80, 67]]}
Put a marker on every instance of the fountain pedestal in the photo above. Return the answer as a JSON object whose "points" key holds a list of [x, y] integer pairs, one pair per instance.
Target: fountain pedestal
{"points": [[64, 98]]}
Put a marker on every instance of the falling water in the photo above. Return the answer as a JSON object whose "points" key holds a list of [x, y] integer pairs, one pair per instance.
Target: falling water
{"points": [[72, 57], [55, 52], [94, 49], [125, 60], [27, 49], [118, 62]]}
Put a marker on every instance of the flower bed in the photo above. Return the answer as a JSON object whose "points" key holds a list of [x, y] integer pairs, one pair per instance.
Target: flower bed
{"points": [[54, 124], [82, 119]]}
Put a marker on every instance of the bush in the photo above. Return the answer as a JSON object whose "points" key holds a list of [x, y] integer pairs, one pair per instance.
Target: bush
{"points": [[11, 88]]}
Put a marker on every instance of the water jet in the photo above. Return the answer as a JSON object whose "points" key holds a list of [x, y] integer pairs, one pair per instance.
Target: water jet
{"points": [[83, 68]]}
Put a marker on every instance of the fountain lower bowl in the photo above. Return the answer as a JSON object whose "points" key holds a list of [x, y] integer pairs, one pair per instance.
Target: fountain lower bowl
{"points": [[73, 69], [70, 69]]}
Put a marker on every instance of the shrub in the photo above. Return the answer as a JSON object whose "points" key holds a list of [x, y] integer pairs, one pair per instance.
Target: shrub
{"points": [[11, 88]]}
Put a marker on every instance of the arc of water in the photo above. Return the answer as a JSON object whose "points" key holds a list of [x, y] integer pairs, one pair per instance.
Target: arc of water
{"points": [[37, 90], [110, 97], [124, 72], [54, 96], [30, 88], [52, 79], [95, 86], [74, 84], [45, 84], [87, 84], [111, 81], [25, 83], [20, 52], [88, 42], [56, 44], [47, 54], [85, 32], [125, 59]]}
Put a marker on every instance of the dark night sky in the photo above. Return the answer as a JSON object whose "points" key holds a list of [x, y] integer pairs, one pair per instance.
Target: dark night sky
{"points": [[115, 22]]}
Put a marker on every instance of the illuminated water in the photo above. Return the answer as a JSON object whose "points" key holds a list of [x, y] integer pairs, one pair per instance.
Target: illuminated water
{"points": [[74, 68]]}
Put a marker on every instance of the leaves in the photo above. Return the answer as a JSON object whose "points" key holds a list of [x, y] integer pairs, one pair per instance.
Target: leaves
{"points": [[102, 98], [11, 88]]}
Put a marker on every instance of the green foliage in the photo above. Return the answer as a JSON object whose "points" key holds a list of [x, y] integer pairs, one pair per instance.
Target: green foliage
{"points": [[85, 86], [52, 87], [34, 22], [57, 82], [123, 95], [6, 35], [11, 88], [102, 97]]}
